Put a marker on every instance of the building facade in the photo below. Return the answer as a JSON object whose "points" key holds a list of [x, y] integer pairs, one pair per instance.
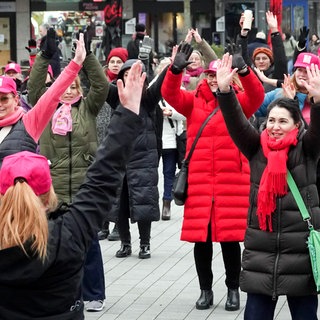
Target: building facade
{"points": [[167, 22]]}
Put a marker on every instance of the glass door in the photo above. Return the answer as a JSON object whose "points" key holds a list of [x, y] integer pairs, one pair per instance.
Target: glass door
{"points": [[5, 55], [294, 16]]}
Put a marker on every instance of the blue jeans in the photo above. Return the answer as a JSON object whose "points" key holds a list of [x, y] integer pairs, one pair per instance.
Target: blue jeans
{"points": [[169, 161], [261, 306], [93, 285]]}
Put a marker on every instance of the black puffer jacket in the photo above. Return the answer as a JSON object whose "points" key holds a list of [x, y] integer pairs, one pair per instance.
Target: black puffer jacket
{"points": [[142, 169], [51, 291], [277, 263]]}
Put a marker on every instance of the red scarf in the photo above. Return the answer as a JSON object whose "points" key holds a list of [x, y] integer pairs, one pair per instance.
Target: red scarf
{"points": [[111, 76], [274, 178]]}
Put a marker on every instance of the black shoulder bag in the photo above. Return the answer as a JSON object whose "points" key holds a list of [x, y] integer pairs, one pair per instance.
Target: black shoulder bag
{"points": [[180, 184]]}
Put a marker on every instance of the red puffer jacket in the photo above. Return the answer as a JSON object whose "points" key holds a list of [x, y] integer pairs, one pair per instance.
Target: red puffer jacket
{"points": [[218, 181]]}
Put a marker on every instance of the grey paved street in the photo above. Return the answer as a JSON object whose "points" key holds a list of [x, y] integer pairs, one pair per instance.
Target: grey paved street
{"points": [[164, 287]]}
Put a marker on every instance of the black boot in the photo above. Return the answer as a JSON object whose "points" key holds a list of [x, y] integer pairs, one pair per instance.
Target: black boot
{"points": [[125, 251], [104, 232], [114, 235], [166, 210], [144, 252], [233, 300], [205, 300]]}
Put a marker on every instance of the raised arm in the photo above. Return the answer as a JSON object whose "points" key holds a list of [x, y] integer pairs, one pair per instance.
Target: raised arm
{"points": [[39, 116], [244, 135], [105, 175]]}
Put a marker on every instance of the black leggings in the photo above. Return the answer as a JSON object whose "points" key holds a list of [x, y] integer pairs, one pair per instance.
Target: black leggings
{"points": [[231, 254]]}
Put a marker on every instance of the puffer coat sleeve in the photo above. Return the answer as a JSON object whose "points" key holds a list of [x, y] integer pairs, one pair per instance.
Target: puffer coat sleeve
{"points": [[278, 263]]}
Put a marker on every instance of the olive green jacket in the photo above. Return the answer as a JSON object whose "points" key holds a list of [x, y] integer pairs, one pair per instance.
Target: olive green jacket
{"points": [[70, 155]]}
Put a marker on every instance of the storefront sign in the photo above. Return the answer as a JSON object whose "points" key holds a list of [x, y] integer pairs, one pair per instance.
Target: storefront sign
{"points": [[7, 6]]}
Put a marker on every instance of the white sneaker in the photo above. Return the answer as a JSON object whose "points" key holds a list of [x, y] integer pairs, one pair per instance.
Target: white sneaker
{"points": [[95, 305]]}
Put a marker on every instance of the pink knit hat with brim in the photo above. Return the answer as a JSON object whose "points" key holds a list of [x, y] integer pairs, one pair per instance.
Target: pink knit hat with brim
{"points": [[12, 66], [29, 166], [7, 85], [121, 53], [305, 59], [213, 66]]}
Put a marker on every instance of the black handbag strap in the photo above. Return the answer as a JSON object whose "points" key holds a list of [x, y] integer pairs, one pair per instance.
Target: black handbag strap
{"points": [[187, 159]]}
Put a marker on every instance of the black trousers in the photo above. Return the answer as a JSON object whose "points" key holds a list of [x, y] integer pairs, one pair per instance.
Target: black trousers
{"points": [[231, 253], [124, 221]]}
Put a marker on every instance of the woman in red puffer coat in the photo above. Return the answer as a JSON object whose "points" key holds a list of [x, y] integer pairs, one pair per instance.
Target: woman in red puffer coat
{"points": [[218, 181]]}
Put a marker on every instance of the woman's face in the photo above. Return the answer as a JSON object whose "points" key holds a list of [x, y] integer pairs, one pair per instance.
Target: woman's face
{"points": [[115, 64], [262, 61], [196, 61], [280, 123], [301, 74], [212, 81], [71, 93], [8, 104]]}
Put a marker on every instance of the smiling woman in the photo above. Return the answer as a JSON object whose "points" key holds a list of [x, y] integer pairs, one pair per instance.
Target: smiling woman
{"points": [[23, 130], [275, 234]]}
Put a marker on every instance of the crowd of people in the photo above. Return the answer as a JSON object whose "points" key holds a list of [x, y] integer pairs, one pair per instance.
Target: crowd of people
{"points": [[60, 191]]}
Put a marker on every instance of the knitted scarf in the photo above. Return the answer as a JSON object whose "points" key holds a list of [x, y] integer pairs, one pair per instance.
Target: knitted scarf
{"points": [[62, 120], [194, 72], [12, 118], [111, 76], [274, 178]]}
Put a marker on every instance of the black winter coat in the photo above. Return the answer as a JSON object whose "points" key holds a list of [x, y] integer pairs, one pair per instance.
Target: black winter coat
{"points": [[31, 290], [277, 263], [142, 169]]}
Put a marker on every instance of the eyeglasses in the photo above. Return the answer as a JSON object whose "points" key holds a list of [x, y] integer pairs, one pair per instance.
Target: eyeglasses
{"points": [[5, 99]]}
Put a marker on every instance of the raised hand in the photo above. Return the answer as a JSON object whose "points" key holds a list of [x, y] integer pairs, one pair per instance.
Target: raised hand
{"points": [[302, 40], [181, 59], [130, 94], [225, 73], [50, 44], [313, 83], [272, 21], [288, 88], [80, 53]]}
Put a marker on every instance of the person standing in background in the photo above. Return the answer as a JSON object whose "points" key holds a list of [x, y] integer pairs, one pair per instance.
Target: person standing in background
{"points": [[115, 60]]}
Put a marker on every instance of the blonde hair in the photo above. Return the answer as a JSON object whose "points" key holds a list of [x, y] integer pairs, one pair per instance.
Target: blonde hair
{"points": [[23, 219], [78, 84]]}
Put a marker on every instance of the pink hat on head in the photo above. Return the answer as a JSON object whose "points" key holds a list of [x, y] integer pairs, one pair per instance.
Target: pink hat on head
{"points": [[305, 59], [32, 167], [7, 85], [12, 66], [213, 66]]}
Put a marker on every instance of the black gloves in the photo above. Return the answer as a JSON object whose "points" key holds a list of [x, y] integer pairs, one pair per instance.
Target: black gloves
{"points": [[145, 48], [32, 47], [181, 59], [237, 59], [87, 42], [302, 40], [49, 47]]}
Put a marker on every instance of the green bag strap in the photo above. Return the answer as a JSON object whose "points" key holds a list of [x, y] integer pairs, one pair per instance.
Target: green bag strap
{"points": [[297, 196]]}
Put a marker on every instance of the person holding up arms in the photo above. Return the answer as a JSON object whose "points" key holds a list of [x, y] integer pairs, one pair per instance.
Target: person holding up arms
{"points": [[41, 261], [276, 259]]}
